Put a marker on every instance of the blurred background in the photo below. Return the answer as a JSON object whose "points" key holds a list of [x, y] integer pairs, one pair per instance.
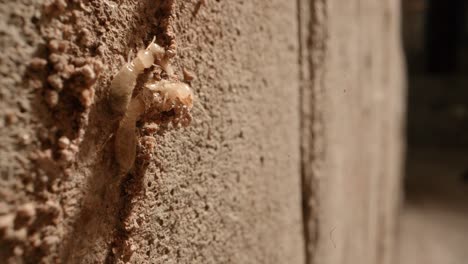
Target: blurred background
{"points": [[434, 224]]}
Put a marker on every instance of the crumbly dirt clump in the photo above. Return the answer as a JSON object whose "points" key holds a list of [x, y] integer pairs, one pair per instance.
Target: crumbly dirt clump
{"points": [[63, 54]]}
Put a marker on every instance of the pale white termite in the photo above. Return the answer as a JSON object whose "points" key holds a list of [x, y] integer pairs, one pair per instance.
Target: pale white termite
{"points": [[164, 96], [161, 96], [173, 93], [125, 137], [124, 81]]}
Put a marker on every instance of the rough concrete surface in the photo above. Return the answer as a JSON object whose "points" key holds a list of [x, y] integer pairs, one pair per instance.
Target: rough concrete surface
{"points": [[295, 100], [226, 189], [352, 76]]}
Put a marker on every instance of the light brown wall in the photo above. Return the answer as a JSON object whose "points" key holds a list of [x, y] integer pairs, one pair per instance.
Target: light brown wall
{"points": [[227, 189], [353, 92]]}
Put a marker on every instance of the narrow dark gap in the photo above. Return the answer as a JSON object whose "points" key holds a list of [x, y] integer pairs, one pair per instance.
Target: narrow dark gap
{"points": [[433, 223], [312, 39], [302, 32], [304, 193]]}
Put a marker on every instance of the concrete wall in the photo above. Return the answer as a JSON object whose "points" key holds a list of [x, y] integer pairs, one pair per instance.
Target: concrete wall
{"points": [[294, 101], [353, 103]]}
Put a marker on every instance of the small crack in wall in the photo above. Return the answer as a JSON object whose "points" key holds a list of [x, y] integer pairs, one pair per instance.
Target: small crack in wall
{"points": [[312, 49]]}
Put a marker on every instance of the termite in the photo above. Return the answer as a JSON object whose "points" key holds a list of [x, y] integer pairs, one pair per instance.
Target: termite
{"points": [[125, 137], [122, 85], [162, 96], [156, 97], [173, 93]]}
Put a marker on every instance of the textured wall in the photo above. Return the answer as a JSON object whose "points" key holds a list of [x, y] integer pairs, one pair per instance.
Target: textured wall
{"points": [[226, 189], [352, 128], [274, 82]]}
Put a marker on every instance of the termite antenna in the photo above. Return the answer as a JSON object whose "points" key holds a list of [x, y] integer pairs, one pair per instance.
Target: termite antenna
{"points": [[152, 42]]}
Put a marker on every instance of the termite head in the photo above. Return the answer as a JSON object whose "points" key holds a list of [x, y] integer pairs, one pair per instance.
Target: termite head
{"points": [[144, 60], [160, 56], [157, 51]]}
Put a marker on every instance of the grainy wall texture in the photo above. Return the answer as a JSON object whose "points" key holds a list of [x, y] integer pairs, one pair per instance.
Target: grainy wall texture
{"points": [[352, 107], [292, 155]]}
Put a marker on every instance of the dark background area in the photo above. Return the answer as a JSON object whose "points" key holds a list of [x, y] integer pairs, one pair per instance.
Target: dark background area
{"points": [[434, 220], [436, 46]]}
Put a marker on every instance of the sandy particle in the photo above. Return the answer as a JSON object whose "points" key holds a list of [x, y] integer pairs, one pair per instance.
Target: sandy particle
{"points": [[188, 75], [25, 139], [66, 156], [11, 118], [74, 148], [133, 247], [52, 98], [63, 142], [87, 97], [27, 210], [55, 81], [88, 73], [18, 251], [52, 6], [86, 38], [80, 61], [6, 221], [37, 64], [35, 83]]}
